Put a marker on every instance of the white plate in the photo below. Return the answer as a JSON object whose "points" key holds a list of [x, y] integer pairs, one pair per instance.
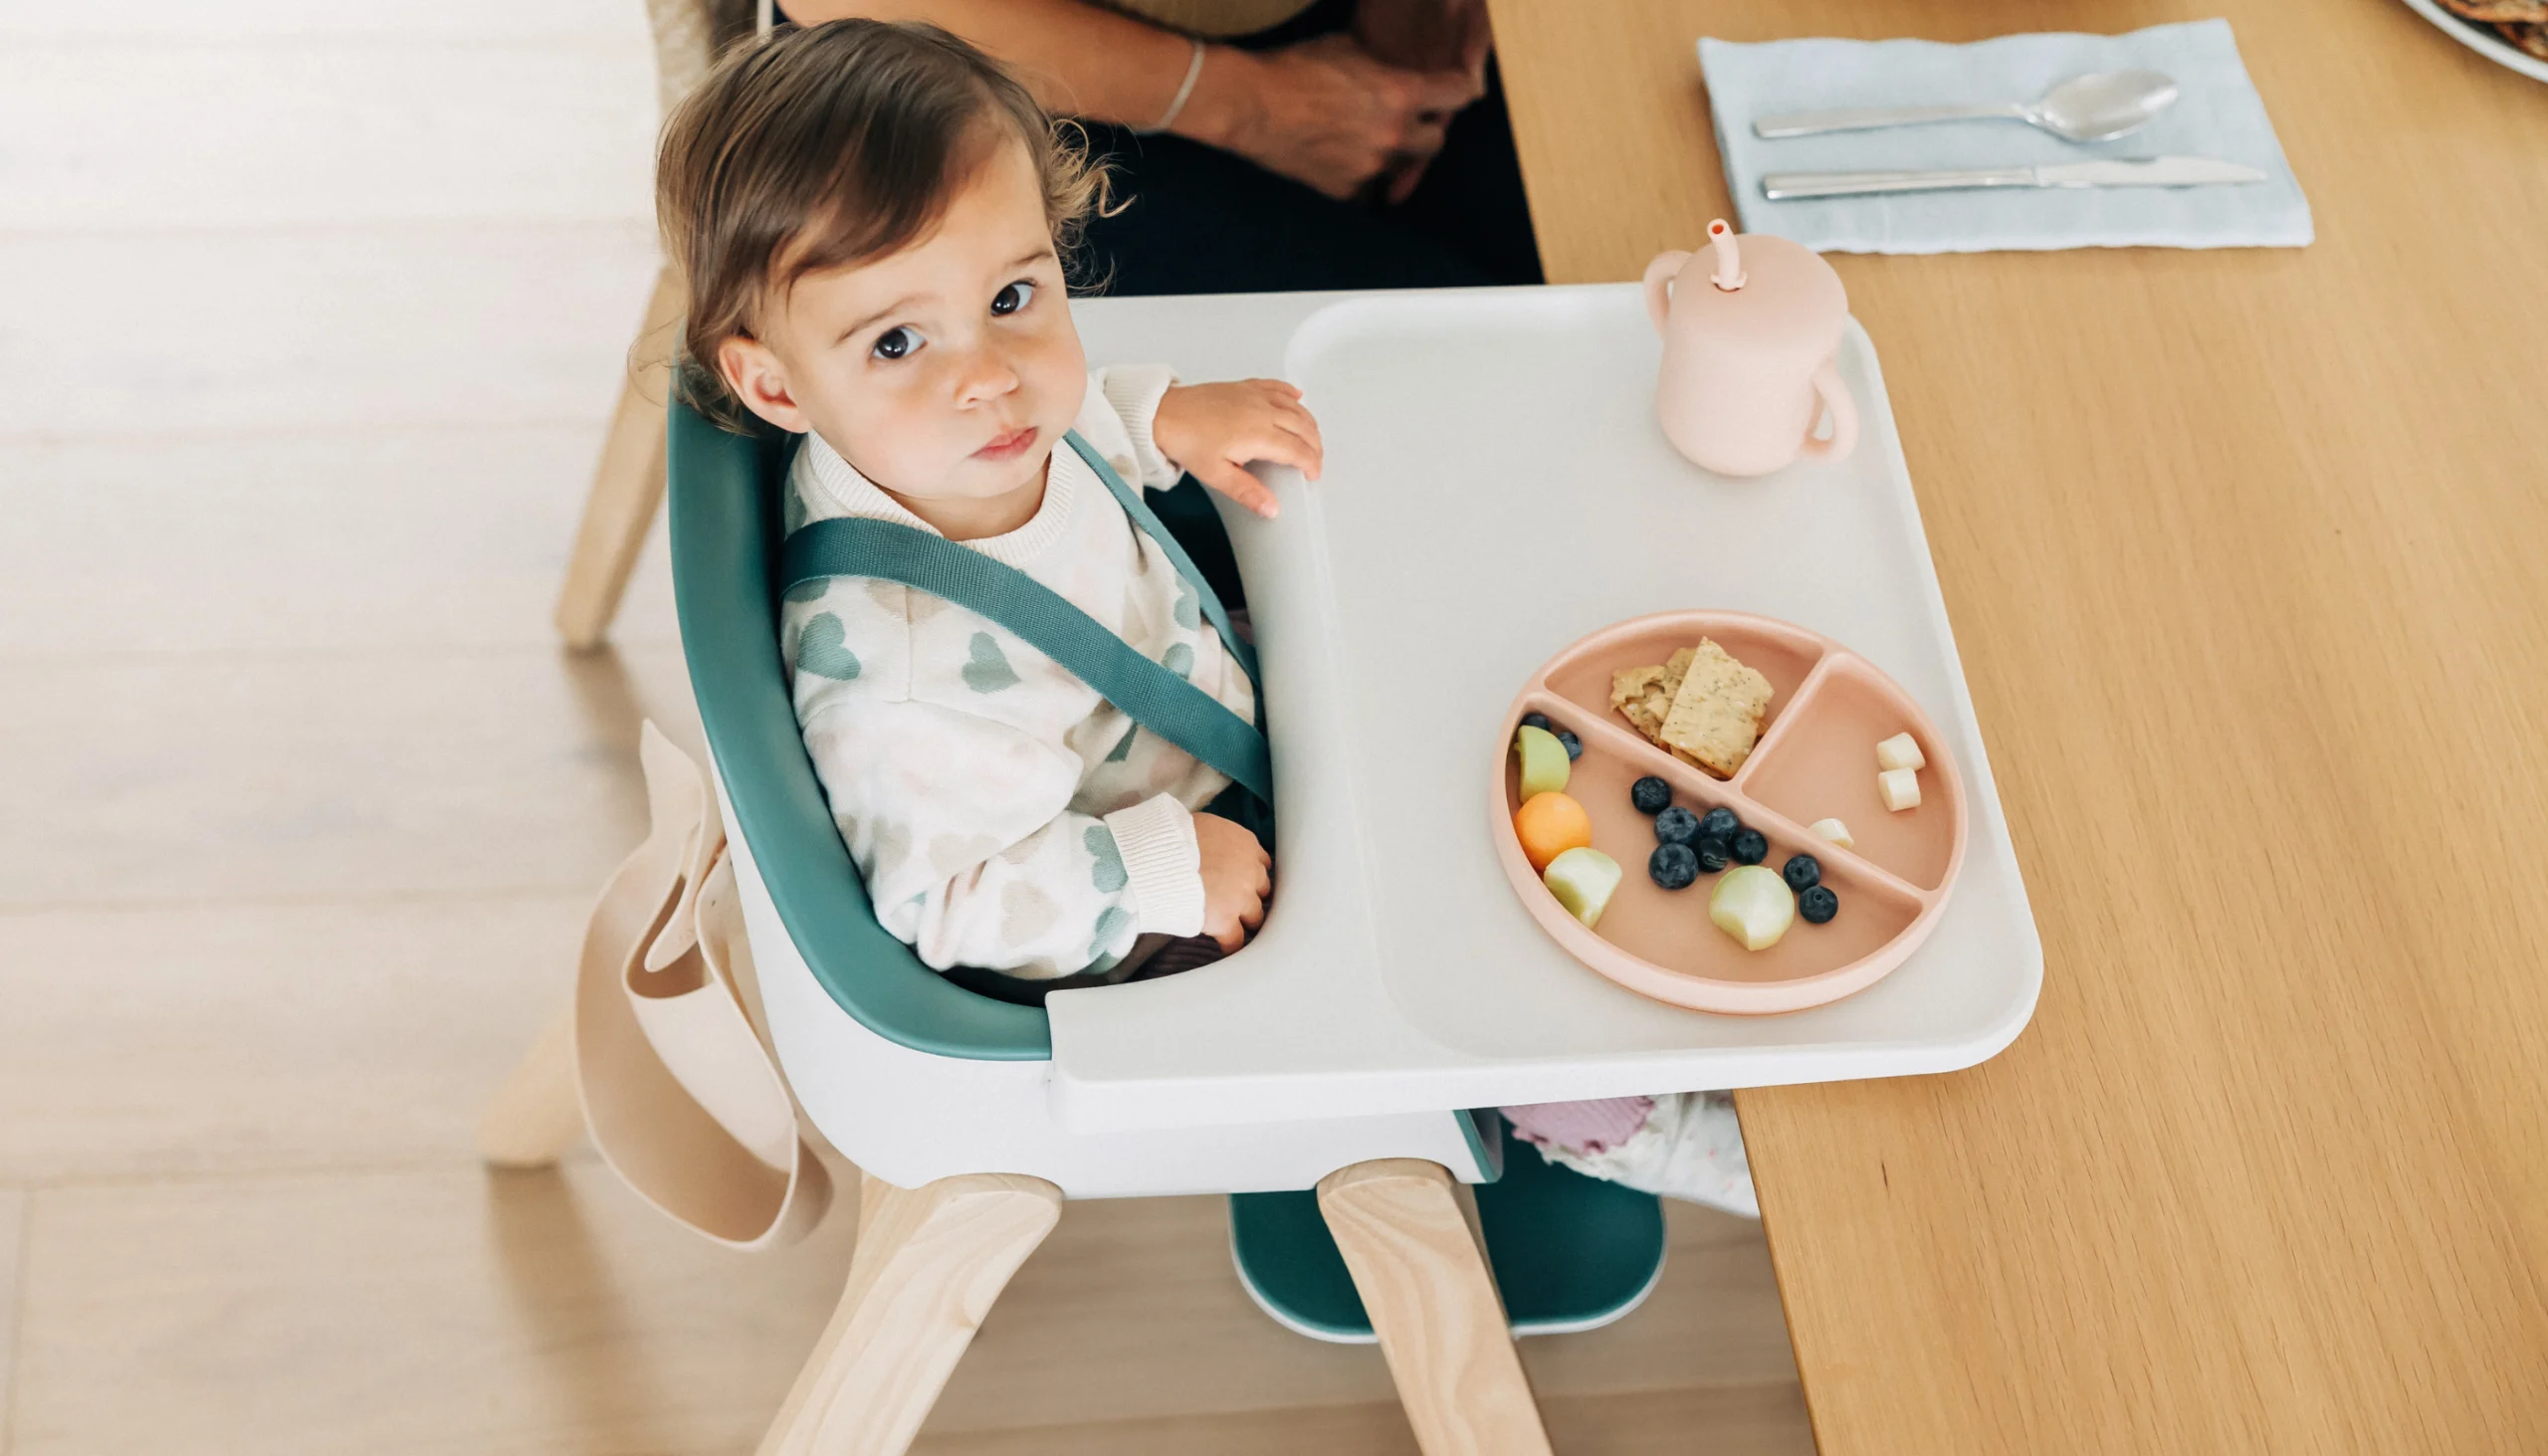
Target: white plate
{"points": [[2481, 39]]}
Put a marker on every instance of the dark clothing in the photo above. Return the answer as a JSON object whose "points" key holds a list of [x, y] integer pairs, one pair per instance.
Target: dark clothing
{"points": [[1199, 220]]}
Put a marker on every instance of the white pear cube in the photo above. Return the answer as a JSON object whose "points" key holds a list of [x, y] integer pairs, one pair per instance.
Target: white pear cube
{"points": [[1544, 767], [1900, 752], [1583, 880], [1753, 904], [1899, 788], [1834, 831]]}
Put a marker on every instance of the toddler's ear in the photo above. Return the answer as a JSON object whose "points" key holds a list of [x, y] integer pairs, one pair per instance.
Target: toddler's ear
{"points": [[754, 373]]}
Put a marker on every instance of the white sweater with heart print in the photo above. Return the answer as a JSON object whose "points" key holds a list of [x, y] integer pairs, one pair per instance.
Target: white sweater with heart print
{"points": [[1003, 814]]}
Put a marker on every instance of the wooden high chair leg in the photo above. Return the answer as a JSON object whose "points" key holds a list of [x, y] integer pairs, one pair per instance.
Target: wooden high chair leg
{"points": [[628, 484], [929, 1263], [1414, 1255], [538, 1114]]}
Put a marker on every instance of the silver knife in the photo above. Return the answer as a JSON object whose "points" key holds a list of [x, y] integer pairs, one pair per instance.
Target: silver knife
{"points": [[2165, 171]]}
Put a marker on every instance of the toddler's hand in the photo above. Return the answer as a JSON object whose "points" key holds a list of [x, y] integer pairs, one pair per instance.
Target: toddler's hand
{"points": [[1237, 877], [1214, 430]]}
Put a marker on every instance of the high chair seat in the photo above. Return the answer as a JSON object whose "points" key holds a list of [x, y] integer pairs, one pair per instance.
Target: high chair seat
{"points": [[724, 517], [911, 1075]]}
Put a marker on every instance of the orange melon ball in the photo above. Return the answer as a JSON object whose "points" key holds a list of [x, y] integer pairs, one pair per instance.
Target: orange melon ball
{"points": [[1549, 825]]}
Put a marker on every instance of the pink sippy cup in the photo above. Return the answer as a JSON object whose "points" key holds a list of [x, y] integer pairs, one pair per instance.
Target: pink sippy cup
{"points": [[1751, 347]]}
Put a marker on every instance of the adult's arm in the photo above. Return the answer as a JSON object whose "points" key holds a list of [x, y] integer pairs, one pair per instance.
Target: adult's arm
{"points": [[1077, 59], [1322, 112]]}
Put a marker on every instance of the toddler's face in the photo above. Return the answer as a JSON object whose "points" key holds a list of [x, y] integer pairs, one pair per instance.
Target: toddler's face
{"points": [[947, 371]]}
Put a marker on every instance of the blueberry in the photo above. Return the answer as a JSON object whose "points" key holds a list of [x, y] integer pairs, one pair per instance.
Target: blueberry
{"points": [[1574, 745], [1749, 847], [1673, 866], [1803, 873], [1714, 854], [1651, 794], [1818, 905], [1537, 720], [1721, 823], [1676, 825]]}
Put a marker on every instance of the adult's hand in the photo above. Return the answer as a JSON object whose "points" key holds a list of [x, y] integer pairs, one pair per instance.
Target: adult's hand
{"points": [[1426, 34], [1327, 113], [1423, 35]]}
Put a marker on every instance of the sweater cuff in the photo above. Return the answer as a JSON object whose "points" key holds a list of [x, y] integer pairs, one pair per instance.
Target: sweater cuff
{"points": [[1134, 391], [1164, 864]]}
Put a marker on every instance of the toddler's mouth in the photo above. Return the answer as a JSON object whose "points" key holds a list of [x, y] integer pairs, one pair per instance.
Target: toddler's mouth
{"points": [[1008, 446]]}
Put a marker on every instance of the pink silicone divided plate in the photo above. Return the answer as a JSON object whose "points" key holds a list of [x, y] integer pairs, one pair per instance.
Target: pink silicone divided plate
{"points": [[1815, 759]]}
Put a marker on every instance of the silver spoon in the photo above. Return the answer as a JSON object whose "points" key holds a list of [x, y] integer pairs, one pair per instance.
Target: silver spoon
{"points": [[2092, 107]]}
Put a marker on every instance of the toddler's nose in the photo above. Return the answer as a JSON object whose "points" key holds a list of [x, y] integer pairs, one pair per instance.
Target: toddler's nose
{"points": [[986, 377]]}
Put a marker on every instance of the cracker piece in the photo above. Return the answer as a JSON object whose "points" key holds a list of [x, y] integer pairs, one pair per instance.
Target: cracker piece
{"points": [[1715, 717], [1643, 696], [1638, 694]]}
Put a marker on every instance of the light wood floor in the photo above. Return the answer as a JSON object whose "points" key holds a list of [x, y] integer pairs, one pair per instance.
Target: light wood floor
{"points": [[311, 315]]}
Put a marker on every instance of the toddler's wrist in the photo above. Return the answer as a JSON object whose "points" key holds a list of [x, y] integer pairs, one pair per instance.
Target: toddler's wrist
{"points": [[1137, 395], [1162, 862]]}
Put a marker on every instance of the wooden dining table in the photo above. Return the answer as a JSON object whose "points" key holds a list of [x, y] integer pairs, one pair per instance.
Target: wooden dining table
{"points": [[2247, 554]]}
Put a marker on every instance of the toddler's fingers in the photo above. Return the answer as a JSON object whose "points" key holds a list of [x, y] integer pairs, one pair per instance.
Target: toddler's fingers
{"points": [[1284, 447], [1301, 427], [1274, 391], [1229, 939], [1312, 459], [1297, 419], [1234, 482]]}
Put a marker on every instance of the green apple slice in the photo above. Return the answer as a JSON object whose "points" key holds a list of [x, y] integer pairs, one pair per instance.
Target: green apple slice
{"points": [[1582, 880], [1750, 904], [1543, 762]]}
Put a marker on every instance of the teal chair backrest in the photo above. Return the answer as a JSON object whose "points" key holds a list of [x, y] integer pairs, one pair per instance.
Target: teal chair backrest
{"points": [[726, 491]]}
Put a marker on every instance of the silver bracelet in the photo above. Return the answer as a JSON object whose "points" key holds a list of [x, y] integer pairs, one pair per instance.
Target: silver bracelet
{"points": [[1193, 70]]}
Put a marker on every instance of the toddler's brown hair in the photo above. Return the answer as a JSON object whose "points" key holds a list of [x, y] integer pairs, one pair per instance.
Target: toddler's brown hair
{"points": [[820, 147]]}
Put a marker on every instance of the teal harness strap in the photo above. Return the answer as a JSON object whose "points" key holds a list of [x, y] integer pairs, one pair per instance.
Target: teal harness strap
{"points": [[1157, 698], [1148, 520]]}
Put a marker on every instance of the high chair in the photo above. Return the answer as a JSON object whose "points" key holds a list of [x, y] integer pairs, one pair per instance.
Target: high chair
{"points": [[1346, 1228], [1328, 1053]]}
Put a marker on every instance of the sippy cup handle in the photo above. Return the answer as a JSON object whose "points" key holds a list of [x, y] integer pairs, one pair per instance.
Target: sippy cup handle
{"points": [[1658, 284], [1844, 415]]}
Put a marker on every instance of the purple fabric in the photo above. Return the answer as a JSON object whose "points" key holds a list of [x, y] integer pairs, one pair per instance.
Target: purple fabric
{"points": [[1583, 1127]]}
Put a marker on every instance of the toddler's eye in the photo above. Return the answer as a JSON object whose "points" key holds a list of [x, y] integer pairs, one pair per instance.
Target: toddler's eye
{"points": [[1012, 299], [896, 344]]}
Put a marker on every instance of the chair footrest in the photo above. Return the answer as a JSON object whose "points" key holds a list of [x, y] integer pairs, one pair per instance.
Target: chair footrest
{"points": [[1570, 1252]]}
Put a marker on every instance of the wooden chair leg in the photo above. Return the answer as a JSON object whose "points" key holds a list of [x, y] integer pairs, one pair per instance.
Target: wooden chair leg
{"points": [[628, 484], [929, 1263], [536, 1115], [1416, 1257]]}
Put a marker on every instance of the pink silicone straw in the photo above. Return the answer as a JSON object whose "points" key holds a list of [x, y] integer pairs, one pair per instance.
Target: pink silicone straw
{"points": [[1729, 262]]}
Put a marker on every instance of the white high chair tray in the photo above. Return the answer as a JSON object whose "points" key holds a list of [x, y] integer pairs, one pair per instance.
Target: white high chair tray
{"points": [[1495, 487]]}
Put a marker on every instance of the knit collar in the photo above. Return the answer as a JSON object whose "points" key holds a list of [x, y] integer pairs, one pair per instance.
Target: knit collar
{"points": [[839, 488]]}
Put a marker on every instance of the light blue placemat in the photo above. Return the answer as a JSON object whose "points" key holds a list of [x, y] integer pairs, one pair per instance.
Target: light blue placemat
{"points": [[2218, 114]]}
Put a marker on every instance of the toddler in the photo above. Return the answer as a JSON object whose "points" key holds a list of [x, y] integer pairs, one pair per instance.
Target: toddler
{"points": [[872, 219]]}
